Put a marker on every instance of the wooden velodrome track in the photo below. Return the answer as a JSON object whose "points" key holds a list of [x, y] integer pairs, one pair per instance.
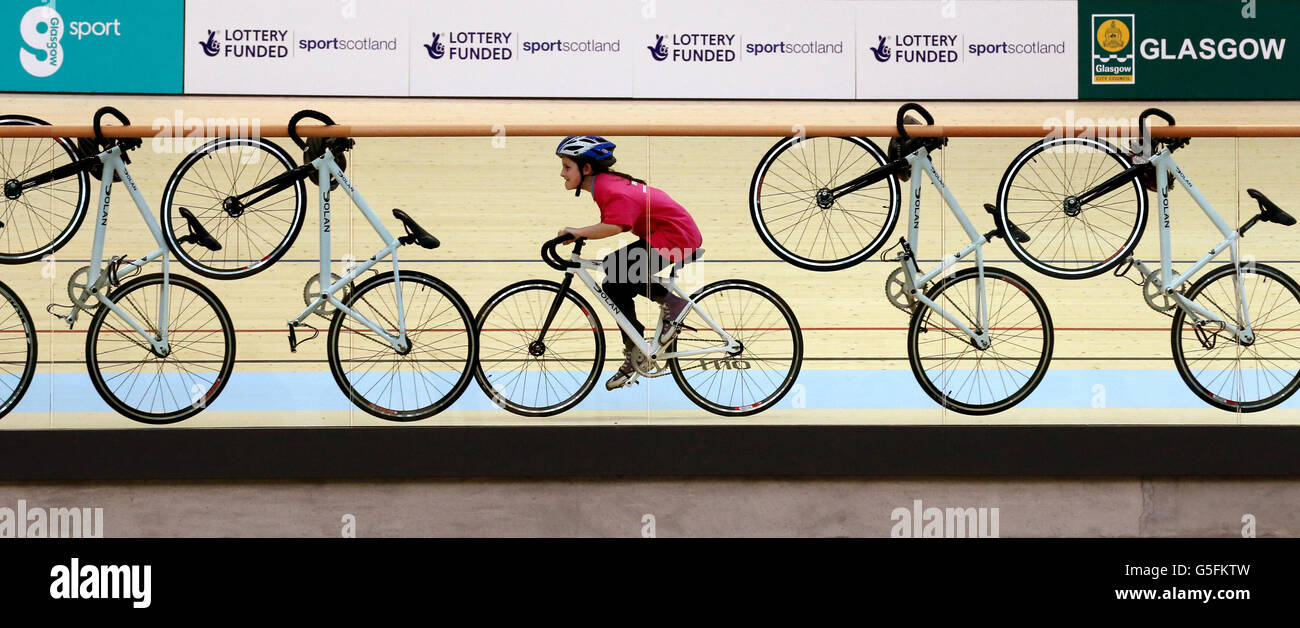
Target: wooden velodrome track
{"points": [[492, 201]]}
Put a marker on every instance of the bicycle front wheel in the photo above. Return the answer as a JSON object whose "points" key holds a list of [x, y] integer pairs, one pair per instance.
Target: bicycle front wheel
{"points": [[17, 349], [953, 370], [414, 383], [1215, 365], [530, 374], [1068, 239], [144, 385], [253, 233], [796, 215], [761, 373], [38, 219]]}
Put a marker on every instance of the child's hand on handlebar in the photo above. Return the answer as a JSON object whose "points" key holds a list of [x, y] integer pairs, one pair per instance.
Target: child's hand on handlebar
{"points": [[569, 231]]}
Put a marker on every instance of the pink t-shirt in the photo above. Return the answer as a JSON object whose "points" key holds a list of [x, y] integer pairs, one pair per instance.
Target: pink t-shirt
{"points": [[649, 213]]}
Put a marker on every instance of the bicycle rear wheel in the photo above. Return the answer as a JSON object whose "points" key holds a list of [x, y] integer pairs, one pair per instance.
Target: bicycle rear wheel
{"points": [[1071, 240], [1216, 366], [529, 375], [964, 378], [795, 215], [152, 388], [40, 219], [768, 363], [17, 349], [252, 237], [413, 384]]}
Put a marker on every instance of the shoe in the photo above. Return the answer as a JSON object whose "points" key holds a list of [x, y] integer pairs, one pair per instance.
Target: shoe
{"points": [[671, 309], [632, 358]]}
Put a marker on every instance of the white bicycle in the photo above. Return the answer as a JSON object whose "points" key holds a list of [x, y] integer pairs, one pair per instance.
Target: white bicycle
{"points": [[980, 339], [1235, 330], [541, 345], [399, 343], [161, 347]]}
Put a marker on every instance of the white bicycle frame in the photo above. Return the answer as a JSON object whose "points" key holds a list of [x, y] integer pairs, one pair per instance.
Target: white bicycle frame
{"points": [[113, 164], [921, 164], [1169, 284], [651, 349], [327, 168]]}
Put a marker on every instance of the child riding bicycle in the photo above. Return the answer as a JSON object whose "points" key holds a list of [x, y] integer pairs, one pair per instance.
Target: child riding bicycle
{"points": [[666, 233]]}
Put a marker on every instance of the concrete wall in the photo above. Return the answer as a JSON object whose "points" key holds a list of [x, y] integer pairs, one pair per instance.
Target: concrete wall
{"points": [[1125, 507]]}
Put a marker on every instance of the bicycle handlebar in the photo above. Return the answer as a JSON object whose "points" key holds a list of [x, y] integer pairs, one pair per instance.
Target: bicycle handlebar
{"points": [[552, 257], [902, 111], [99, 131], [300, 116], [1142, 122]]}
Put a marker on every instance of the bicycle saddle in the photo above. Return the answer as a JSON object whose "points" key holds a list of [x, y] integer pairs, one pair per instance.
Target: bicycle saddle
{"points": [[1269, 211], [415, 234], [1016, 233]]}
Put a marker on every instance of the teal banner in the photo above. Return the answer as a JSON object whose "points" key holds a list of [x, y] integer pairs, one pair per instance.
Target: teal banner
{"points": [[1193, 49], [91, 46]]}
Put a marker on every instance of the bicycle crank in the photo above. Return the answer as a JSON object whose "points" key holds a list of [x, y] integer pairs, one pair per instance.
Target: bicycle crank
{"points": [[82, 293], [898, 291], [1155, 295], [312, 289]]}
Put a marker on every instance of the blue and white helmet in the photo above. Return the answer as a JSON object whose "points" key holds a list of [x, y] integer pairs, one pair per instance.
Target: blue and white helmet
{"points": [[591, 148]]}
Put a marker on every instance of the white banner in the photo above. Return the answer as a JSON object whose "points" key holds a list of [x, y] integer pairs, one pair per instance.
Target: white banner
{"points": [[554, 49], [305, 47], [806, 50], [745, 49], [975, 49]]}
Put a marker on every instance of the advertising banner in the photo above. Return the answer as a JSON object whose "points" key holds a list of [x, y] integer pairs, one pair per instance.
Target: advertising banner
{"points": [[522, 49], [90, 46], [973, 49], [1195, 49], [304, 47], [734, 49]]}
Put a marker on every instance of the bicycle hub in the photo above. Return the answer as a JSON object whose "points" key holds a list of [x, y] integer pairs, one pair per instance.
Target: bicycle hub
{"points": [[536, 348], [1072, 206], [825, 199], [13, 189], [233, 207]]}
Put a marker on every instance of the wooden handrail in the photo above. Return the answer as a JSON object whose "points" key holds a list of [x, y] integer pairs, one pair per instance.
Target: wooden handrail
{"points": [[696, 130]]}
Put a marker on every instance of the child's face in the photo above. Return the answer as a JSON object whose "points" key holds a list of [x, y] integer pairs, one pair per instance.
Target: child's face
{"points": [[570, 173]]}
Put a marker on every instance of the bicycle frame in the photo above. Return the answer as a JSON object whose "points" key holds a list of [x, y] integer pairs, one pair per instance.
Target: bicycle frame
{"points": [[113, 164], [327, 168], [920, 163], [653, 348], [1164, 164]]}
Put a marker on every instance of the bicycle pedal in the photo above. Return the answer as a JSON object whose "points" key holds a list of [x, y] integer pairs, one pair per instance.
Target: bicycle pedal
{"points": [[70, 318], [111, 271], [1207, 339], [293, 336]]}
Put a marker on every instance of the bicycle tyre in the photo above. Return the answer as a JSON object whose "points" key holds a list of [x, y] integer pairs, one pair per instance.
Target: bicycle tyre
{"points": [[17, 320], [441, 310], [937, 375], [867, 229], [724, 302], [1227, 389], [187, 327], [203, 189], [25, 156], [504, 327], [1042, 211]]}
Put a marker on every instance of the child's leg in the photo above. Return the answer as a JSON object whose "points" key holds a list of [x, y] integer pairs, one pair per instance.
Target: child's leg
{"points": [[622, 279]]}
